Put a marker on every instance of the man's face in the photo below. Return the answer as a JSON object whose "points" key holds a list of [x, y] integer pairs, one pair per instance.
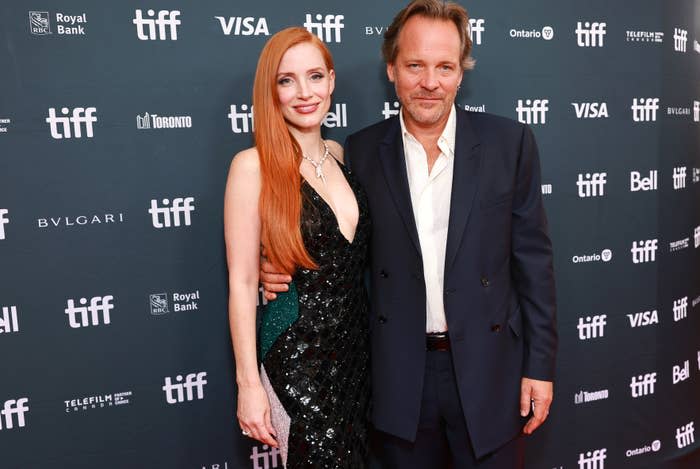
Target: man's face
{"points": [[427, 71]]}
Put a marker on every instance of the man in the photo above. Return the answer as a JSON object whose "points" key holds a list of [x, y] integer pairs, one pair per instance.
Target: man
{"points": [[462, 290]]}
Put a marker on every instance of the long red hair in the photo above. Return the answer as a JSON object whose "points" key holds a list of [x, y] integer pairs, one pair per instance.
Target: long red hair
{"points": [[280, 156]]}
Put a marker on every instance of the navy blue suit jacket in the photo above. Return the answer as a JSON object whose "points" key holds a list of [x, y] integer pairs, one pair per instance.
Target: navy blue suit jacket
{"points": [[499, 291]]}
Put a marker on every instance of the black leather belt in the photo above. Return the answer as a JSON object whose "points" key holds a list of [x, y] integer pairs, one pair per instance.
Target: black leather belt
{"points": [[437, 341]]}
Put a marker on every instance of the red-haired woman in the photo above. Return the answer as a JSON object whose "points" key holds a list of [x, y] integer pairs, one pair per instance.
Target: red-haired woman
{"points": [[291, 194]]}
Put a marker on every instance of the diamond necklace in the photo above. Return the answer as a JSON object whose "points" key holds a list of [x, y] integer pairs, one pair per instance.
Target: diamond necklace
{"points": [[319, 165]]}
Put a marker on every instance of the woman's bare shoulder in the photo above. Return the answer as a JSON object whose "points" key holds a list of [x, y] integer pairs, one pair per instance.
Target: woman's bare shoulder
{"points": [[336, 149]]}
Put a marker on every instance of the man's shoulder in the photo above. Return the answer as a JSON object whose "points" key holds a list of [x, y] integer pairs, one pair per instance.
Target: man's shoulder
{"points": [[485, 123]]}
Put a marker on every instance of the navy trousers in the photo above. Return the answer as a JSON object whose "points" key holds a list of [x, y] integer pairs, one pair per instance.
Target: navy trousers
{"points": [[442, 440]]}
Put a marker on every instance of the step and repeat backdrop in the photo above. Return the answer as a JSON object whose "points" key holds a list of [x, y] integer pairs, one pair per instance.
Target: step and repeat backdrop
{"points": [[118, 122]]}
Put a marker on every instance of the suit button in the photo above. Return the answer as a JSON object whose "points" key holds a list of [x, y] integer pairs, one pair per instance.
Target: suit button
{"points": [[495, 328], [383, 274], [484, 282], [382, 319]]}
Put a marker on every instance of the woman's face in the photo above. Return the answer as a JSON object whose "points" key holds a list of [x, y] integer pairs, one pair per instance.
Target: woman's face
{"points": [[304, 86]]}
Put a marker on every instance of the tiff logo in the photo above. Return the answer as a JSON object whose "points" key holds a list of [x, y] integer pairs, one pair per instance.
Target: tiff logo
{"points": [[679, 176], [592, 186], [696, 237], [643, 385], [3, 221], [181, 392], [639, 183], [591, 327], [80, 116], [644, 109], [696, 111], [680, 39], [476, 27], [681, 373], [685, 435], [592, 459], [8, 320], [166, 19], [644, 251], [326, 28], [17, 407], [680, 308], [267, 458], [590, 34], [180, 205], [98, 304], [388, 112], [244, 118], [533, 111]]}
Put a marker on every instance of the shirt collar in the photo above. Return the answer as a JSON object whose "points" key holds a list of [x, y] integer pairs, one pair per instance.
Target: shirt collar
{"points": [[447, 138]]}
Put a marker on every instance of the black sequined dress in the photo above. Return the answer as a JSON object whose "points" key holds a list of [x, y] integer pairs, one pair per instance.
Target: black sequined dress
{"points": [[314, 344]]}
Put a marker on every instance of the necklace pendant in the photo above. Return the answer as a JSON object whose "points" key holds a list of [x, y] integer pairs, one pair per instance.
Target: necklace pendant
{"points": [[319, 172]]}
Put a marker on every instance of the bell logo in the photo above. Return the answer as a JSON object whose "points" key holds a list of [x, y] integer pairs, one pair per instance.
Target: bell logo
{"points": [[183, 391], [476, 27], [80, 116], [680, 39], [681, 373], [639, 183], [243, 26], [146, 27], [13, 407], [98, 304], [685, 435], [592, 459], [644, 109], [591, 327], [8, 320], [337, 117], [327, 27], [161, 216], [532, 111], [3, 221], [644, 251], [590, 34], [643, 385]]}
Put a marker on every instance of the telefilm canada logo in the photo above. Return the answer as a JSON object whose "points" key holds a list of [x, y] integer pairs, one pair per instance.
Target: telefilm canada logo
{"points": [[4, 123], [66, 25], [154, 121], [8, 320], [97, 401], [160, 302], [656, 37]]}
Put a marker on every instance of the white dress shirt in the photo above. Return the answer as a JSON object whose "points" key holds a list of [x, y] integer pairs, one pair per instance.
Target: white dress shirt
{"points": [[430, 197]]}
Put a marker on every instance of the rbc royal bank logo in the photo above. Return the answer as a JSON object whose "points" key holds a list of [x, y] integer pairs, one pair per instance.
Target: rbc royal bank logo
{"points": [[476, 28], [169, 215], [243, 26], [39, 23], [12, 408], [532, 111], [590, 34], [644, 109], [184, 391], [166, 23], [8, 320], [159, 303], [327, 27], [89, 315], [61, 126]]}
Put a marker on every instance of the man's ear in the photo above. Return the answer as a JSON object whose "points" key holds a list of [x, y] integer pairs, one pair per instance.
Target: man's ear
{"points": [[391, 72]]}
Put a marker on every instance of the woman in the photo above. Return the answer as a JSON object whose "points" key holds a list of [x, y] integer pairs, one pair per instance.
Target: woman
{"points": [[292, 195]]}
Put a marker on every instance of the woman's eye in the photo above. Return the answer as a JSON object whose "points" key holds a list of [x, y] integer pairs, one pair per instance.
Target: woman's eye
{"points": [[284, 81]]}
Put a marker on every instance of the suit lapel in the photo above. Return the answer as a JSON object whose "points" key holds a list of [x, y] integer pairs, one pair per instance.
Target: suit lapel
{"points": [[394, 167], [464, 185]]}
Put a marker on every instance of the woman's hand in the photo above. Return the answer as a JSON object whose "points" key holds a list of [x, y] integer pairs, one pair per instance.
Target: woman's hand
{"points": [[254, 414]]}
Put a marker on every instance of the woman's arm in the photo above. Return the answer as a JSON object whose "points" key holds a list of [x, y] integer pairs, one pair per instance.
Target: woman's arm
{"points": [[242, 233]]}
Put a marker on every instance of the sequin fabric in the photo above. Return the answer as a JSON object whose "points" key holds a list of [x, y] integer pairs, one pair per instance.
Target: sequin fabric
{"points": [[319, 366]]}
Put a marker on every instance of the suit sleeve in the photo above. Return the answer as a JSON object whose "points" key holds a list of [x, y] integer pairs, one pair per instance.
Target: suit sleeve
{"points": [[532, 267]]}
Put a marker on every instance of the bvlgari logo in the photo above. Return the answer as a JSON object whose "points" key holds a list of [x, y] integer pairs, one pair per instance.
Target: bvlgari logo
{"points": [[80, 221]]}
